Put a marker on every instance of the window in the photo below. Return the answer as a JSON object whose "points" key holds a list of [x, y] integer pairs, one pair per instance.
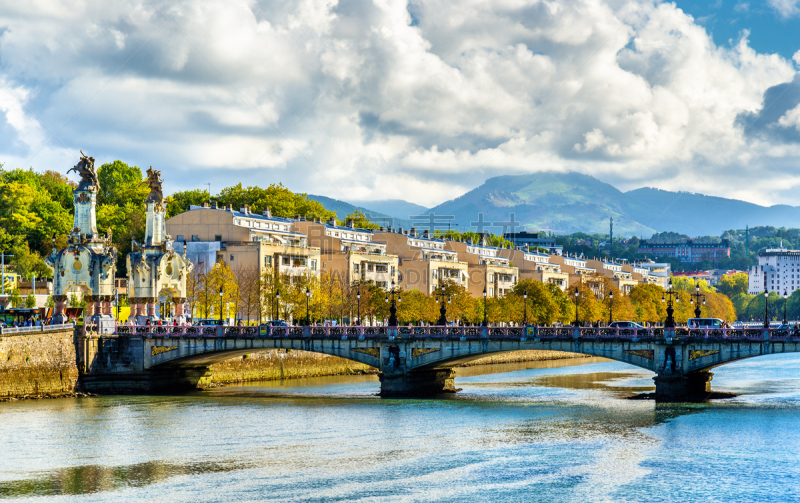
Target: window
{"points": [[180, 237], [355, 268], [217, 238], [231, 258], [195, 238], [267, 261], [313, 265]]}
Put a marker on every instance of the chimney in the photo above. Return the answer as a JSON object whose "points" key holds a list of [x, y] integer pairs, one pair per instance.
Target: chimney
{"points": [[332, 221], [425, 234], [318, 220], [302, 218], [400, 230], [413, 232], [267, 212], [230, 207], [205, 205], [214, 205], [383, 229], [351, 223], [245, 209]]}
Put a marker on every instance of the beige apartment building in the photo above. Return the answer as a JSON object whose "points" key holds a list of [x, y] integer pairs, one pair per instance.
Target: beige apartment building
{"points": [[620, 275], [537, 266], [348, 253], [424, 263], [486, 269], [242, 239], [576, 268]]}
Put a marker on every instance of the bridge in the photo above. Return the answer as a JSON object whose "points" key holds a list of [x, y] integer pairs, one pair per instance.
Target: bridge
{"points": [[418, 361]]}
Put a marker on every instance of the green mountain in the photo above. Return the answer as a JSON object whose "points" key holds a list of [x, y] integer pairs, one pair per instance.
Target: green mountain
{"points": [[572, 202], [343, 209]]}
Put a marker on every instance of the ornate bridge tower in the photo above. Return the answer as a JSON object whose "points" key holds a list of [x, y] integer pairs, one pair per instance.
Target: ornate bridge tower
{"points": [[89, 262], [154, 269]]}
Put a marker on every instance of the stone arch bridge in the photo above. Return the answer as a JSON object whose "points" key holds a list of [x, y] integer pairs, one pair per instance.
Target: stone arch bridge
{"points": [[419, 361]]}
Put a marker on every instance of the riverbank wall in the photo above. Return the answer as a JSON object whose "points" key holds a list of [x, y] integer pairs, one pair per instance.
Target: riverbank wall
{"points": [[38, 363], [280, 364]]}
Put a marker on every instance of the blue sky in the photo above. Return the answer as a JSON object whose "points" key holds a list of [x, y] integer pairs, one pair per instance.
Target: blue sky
{"points": [[421, 100], [770, 31]]}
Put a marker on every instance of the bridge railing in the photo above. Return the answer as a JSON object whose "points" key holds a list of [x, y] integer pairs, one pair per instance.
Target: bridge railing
{"points": [[39, 328], [449, 332]]}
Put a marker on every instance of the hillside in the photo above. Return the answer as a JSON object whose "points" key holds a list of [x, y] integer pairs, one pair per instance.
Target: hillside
{"points": [[343, 208], [572, 202]]}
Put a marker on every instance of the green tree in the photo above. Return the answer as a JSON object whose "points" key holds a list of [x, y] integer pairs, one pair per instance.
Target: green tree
{"points": [[180, 201], [15, 298], [360, 221], [734, 284], [30, 301]]}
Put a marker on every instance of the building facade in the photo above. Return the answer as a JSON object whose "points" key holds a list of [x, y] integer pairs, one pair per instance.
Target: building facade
{"points": [[243, 240], [534, 240], [689, 251], [349, 254], [778, 270], [424, 263], [487, 269], [537, 266]]}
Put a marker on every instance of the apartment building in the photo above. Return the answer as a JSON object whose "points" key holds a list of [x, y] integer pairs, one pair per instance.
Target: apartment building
{"points": [[620, 277], [243, 239], [577, 268], [536, 266], [349, 253], [486, 269], [661, 271], [423, 262], [642, 275], [778, 270], [688, 251]]}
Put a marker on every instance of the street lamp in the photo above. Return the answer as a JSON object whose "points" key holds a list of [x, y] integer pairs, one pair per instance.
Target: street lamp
{"points": [[393, 307], [610, 307], [785, 300], [443, 309], [525, 308], [671, 296], [277, 300], [576, 305], [308, 316], [358, 302], [485, 319], [220, 305], [695, 298]]}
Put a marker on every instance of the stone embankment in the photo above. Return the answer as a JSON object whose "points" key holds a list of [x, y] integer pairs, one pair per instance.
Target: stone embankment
{"points": [[280, 364], [37, 364]]}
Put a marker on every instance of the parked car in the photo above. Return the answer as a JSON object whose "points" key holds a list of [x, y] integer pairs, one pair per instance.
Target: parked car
{"points": [[277, 323], [705, 323], [205, 322], [626, 324]]}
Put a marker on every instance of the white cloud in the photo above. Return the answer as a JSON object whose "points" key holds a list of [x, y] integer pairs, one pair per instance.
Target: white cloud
{"points": [[791, 118], [429, 98], [786, 8]]}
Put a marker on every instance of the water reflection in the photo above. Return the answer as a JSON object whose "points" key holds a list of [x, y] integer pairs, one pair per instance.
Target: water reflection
{"points": [[94, 478]]}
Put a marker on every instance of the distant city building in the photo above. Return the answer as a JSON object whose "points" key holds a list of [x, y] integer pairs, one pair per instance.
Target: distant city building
{"points": [[534, 240], [689, 251], [781, 270], [659, 270]]}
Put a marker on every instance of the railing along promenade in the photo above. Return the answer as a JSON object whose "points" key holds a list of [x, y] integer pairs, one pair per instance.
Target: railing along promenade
{"points": [[465, 333], [35, 328]]}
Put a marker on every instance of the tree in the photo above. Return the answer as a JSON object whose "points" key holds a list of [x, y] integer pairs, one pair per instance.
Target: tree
{"points": [[30, 301], [733, 284], [360, 221], [180, 201], [15, 298]]}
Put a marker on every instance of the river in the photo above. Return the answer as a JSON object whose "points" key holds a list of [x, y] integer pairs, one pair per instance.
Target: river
{"points": [[559, 431]]}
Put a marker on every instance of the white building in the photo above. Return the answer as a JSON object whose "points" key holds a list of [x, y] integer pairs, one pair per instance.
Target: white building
{"points": [[781, 270]]}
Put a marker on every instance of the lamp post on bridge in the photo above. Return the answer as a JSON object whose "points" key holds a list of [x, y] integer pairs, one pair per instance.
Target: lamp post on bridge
{"points": [[610, 307], [695, 298], [308, 315], [442, 321], [576, 306], [525, 307], [393, 306], [358, 304], [220, 305], [669, 297], [785, 300], [485, 319], [277, 300], [766, 303]]}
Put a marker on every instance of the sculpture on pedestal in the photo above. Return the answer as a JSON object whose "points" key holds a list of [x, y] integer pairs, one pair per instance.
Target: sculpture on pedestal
{"points": [[88, 263], [154, 269]]}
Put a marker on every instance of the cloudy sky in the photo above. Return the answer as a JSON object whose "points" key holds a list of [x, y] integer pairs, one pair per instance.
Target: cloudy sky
{"points": [[419, 100]]}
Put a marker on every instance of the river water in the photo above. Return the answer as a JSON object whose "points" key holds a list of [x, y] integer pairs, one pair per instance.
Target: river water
{"points": [[558, 431]]}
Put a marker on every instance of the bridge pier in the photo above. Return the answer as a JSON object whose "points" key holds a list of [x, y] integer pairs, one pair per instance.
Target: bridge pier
{"points": [[418, 383], [689, 387]]}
